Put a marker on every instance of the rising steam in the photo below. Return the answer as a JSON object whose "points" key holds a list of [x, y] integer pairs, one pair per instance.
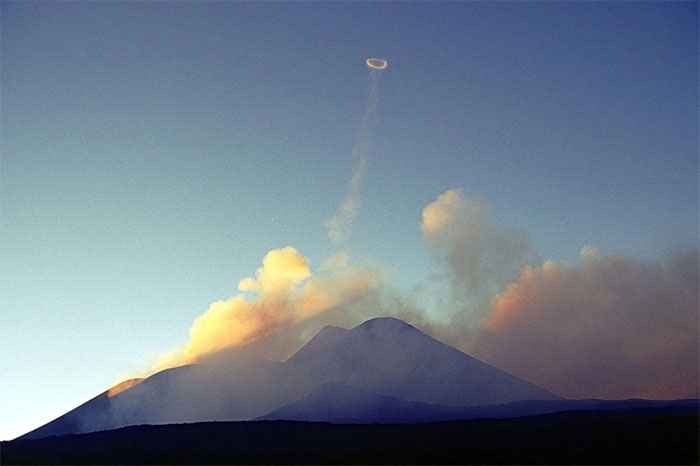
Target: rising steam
{"points": [[339, 225]]}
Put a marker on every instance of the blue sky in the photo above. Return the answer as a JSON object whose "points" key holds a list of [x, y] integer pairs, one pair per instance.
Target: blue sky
{"points": [[152, 153]]}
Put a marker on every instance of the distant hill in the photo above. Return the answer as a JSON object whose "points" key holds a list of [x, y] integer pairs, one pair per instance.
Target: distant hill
{"points": [[341, 404], [387, 359]]}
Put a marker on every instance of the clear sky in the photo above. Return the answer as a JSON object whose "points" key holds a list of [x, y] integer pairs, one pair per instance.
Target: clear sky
{"points": [[152, 153]]}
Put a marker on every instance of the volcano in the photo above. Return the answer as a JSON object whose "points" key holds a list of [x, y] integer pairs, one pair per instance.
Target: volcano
{"points": [[383, 370]]}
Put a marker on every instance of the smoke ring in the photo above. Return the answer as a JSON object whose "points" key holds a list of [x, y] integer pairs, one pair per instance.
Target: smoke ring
{"points": [[376, 63]]}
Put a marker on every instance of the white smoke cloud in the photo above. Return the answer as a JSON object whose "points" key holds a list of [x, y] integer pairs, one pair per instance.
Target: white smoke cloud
{"points": [[480, 256]]}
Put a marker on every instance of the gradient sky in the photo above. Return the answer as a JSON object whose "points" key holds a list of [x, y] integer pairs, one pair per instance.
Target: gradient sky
{"points": [[152, 153]]}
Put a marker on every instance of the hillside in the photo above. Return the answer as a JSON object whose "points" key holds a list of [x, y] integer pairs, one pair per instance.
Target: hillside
{"points": [[634, 436]]}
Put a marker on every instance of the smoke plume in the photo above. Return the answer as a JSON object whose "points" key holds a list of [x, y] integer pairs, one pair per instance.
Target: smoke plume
{"points": [[287, 294], [339, 225], [609, 327], [479, 255]]}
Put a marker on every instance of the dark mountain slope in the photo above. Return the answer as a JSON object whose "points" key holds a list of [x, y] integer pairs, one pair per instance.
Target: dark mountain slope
{"points": [[637, 436]]}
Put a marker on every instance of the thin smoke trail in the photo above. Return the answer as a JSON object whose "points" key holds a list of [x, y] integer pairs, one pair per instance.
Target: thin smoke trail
{"points": [[339, 225]]}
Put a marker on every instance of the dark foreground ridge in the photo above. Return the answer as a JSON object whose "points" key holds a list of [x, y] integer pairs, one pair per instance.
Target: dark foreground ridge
{"points": [[633, 436]]}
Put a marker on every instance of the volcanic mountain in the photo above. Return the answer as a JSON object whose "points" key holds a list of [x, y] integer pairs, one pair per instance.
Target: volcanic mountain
{"points": [[383, 370]]}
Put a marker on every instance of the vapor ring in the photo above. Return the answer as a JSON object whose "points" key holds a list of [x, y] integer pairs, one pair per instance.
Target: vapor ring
{"points": [[376, 63]]}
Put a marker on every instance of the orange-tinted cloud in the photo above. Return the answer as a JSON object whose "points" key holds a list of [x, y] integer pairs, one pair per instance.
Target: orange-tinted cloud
{"points": [[447, 213], [589, 252], [610, 327], [282, 269], [123, 386], [287, 293]]}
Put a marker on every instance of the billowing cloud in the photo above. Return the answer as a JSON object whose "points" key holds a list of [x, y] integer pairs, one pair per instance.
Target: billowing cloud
{"points": [[443, 214], [282, 269], [609, 327], [480, 255], [287, 294]]}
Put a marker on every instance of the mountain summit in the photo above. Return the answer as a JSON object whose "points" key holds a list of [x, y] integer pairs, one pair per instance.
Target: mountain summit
{"points": [[390, 357], [384, 363]]}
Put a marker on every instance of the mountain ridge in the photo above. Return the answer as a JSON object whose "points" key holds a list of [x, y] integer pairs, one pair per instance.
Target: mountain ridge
{"points": [[382, 356]]}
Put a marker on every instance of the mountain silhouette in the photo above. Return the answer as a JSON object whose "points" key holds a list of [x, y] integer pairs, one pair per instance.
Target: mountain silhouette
{"points": [[390, 357], [381, 370]]}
